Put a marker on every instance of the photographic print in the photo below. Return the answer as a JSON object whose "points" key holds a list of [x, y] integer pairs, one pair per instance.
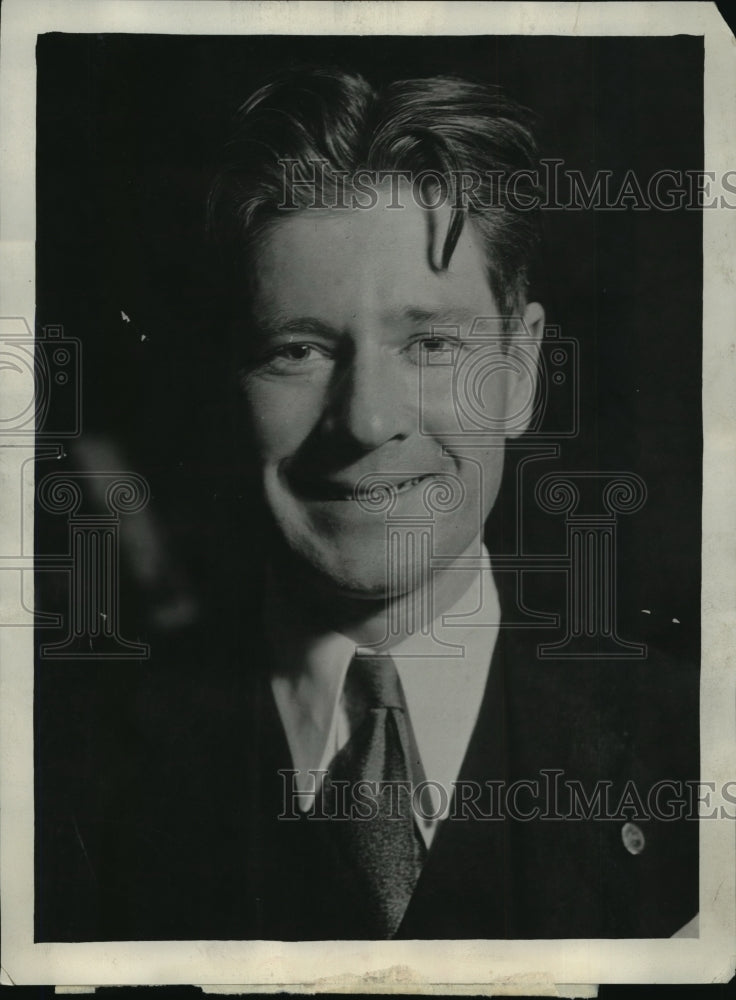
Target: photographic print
{"points": [[363, 593]]}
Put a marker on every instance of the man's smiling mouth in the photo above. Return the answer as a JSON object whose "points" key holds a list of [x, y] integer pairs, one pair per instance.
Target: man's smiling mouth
{"points": [[369, 487]]}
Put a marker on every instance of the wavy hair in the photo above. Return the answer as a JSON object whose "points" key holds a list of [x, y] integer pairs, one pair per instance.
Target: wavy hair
{"points": [[443, 125]]}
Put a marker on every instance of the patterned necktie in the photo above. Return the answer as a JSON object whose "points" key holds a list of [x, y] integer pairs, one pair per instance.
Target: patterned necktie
{"points": [[385, 850]]}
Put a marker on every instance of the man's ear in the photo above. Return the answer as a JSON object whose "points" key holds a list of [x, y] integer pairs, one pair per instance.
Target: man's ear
{"points": [[523, 356]]}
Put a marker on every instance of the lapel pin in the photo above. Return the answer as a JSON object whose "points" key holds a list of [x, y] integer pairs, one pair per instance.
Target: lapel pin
{"points": [[633, 838]]}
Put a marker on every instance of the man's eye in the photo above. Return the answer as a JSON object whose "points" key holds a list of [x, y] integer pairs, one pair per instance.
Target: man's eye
{"points": [[432, 344], [428, 350], [296, 356], [295, 352]]}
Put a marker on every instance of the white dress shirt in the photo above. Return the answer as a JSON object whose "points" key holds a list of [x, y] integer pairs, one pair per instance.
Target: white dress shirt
{"points": [[443, 676]]}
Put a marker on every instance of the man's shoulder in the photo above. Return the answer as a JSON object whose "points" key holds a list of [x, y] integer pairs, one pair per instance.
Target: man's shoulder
{"points": [[648, 706], [611, 748]]}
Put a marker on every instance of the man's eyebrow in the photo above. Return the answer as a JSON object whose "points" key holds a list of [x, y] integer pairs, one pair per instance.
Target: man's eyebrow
{"points": [[275, 325], [441, 316], [272, 326]]}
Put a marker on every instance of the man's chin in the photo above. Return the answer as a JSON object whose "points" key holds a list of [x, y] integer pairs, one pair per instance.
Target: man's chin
{"points": [[357, 576], [343, 579]]}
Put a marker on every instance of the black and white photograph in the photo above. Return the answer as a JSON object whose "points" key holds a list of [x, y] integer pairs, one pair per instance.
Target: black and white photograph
{"points": [[368, 455]]}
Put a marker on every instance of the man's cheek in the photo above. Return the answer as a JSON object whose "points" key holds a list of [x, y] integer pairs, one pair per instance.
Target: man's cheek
{"points": [[278, 420]]}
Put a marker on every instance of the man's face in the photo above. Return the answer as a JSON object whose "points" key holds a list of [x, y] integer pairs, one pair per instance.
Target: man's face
{"points": [[344, 383]]}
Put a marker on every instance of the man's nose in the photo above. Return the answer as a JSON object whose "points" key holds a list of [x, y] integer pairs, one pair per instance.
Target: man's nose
{"points": [[371, 402]]}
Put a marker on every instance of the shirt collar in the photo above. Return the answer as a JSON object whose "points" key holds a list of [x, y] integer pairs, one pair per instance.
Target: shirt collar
{"points": [[450, 662]]}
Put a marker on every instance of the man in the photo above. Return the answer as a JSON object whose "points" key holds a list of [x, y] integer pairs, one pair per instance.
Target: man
{"points": [[332, 773]]}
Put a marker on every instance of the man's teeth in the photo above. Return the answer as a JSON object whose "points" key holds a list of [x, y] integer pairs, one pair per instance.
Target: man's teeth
{"points": [[409, 483], [388, 487]]}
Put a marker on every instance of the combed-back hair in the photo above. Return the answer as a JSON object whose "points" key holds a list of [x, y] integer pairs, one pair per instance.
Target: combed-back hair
{"points": [[338, 121]]}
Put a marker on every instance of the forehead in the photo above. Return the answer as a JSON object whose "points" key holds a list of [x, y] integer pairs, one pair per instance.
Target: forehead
{"points": [[335, 263]]}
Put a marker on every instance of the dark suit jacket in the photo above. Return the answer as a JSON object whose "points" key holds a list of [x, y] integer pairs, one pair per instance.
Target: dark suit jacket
{"points": [[158, 795]]}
